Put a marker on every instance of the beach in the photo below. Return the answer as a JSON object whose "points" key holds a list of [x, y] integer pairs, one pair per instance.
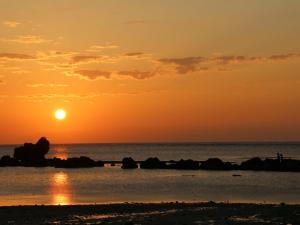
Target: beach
{"points": [[152, 213]]}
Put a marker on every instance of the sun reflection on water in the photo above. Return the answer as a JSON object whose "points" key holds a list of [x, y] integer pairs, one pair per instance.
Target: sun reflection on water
{"points": [[60, 189], [60, 152]]}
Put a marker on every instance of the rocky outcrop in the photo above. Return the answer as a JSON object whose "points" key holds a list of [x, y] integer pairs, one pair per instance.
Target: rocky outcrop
{"points": [[81, 162], [129, 163], [153, 163], [32, 154], [8, 161], [186, 165], [215, 164]]}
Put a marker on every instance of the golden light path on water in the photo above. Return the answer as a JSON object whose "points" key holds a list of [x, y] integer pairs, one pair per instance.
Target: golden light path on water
{"points": [[60, 189], [60, 152]]}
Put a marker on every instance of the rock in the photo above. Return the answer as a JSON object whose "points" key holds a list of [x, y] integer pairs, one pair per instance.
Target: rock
{"points": [[129, 163], [8, 161], [32, 154], [99, 163], [81, 162], [153, 163], [291, 165], [215, 164], [187, 165], [253, 164]]}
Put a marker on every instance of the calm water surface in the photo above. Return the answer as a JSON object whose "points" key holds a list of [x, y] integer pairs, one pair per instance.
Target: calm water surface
{"points": [[112, 184]]}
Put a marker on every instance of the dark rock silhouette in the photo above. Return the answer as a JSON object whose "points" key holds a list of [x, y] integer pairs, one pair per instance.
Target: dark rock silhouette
{"points": [[153, 163], [291, 165], [129, 163], [81, 162], [215, 164], [252, 164], [33, 154], [186, 165], [278, 164], [6, 160]]}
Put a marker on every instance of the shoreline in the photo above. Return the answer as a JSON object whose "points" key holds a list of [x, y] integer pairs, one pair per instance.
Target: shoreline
{"points": [[153, 213]]}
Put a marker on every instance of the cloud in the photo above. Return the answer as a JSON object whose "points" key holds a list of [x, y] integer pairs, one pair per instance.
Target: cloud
{"points": [[134, 54], [90, 74], [64, 97], [136, 74], [227, 59], [16, 56], [284, 56], [51, 85], [198, 63], [54, 54], [27, 39], [95, 48], [183, 65], [86, 59], [11, 24]]}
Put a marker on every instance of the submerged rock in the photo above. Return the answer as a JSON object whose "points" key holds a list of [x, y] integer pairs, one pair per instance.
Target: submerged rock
{"points": [[129, 163]]}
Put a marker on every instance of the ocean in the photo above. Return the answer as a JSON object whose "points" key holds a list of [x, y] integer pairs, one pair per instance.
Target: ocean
{"points": [[30, 186]]}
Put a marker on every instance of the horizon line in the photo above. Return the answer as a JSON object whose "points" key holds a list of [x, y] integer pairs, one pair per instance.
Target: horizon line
{"points": [[174, 143]]}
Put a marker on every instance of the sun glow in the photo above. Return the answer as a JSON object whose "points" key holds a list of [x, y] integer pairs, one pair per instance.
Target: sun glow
{"points": [[60, 114]]}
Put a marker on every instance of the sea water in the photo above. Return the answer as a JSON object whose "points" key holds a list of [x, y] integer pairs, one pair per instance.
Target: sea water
{"points": [[29, 186]]}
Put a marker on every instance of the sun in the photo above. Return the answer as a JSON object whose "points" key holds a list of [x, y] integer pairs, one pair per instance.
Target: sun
{"points": [[60, 114]]}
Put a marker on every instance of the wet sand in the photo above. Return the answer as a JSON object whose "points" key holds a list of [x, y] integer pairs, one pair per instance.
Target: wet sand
{"points": [[152, 213]]}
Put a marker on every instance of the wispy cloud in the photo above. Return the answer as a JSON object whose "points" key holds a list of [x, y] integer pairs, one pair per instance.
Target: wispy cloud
{"points": [[198, 63], [86, 59], [136, 74], [90, 74], [11, 24], [27, 39], [136, 55], [16, 56], [50, 85], [183, 65], [96, 48], [63, 97]]}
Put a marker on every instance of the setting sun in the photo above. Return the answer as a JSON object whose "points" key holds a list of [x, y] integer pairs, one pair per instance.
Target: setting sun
{"points": [[60, 114]]}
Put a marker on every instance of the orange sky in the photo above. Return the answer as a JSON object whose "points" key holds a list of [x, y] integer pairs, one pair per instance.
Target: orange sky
{"points": [[150, 71]]}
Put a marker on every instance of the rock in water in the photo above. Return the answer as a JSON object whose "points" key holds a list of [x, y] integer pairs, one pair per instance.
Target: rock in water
{"points": [[129, 163], [32, 153]]}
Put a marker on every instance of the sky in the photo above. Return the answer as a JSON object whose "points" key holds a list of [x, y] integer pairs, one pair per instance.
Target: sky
{"points": [[149, 71]]}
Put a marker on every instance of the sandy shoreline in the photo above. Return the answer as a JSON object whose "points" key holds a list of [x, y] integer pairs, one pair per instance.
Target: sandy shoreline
{"points": [[152, 213]]}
